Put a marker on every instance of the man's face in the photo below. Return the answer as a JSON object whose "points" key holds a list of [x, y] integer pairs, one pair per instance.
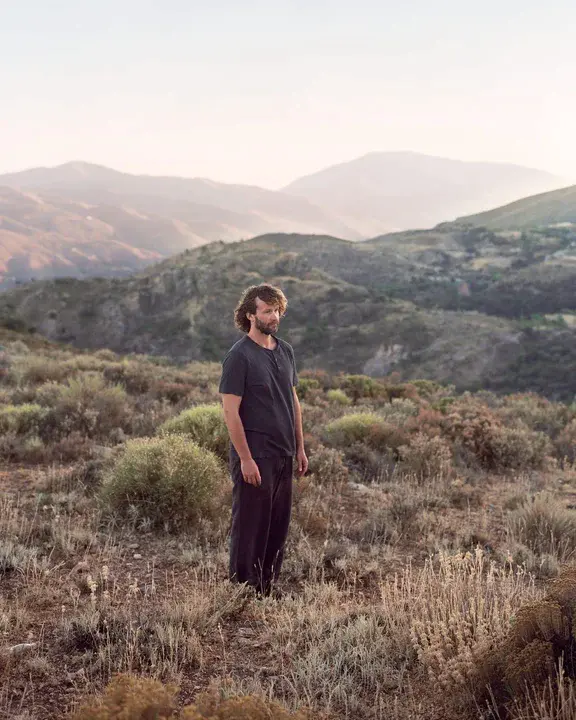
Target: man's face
{"points": [[267, 317]]}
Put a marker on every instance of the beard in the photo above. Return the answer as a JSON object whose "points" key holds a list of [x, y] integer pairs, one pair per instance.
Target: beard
{"points": [[266, 328]]}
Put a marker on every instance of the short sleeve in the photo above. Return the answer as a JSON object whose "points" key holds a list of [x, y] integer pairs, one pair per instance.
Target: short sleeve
{"points": [[233, 378], [294, 370]]}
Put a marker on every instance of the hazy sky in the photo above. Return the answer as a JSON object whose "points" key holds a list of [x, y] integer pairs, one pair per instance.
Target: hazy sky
{"points": [[263, 91]]}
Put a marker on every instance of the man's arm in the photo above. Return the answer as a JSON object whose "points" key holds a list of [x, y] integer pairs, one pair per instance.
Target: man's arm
{"points": [[300, 452], [231, 405]]}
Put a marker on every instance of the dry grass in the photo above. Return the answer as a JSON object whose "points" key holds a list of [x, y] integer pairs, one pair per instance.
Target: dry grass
{"points": [[420, 543]]}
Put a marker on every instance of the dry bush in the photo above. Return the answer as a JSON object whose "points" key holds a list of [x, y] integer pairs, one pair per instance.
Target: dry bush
{"points": [[86, 404], [555, 699], [545, 526], [212, 707], [515, 674], [203, 374], [452, 607], [169, 481], [36, 369], [129, 697], [204, 424], [480, 434], [327, 466], [565, 443], [136, 377], [536, 413], [428, 421], [426, 457]]}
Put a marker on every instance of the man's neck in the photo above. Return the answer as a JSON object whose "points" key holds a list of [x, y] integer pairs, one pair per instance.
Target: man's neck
{"points": [[265, 341]]}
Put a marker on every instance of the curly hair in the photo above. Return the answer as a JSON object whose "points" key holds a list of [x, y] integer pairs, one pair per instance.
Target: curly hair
{"points": [[267, 293]]}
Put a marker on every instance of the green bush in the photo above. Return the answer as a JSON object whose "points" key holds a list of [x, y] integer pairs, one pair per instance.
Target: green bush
{"points": [[204, 424], [22, 419], [362, 386], [338, 397], [170, 481], [368, 429]]}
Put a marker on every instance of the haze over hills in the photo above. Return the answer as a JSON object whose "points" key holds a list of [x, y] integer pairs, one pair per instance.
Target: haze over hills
{"points": [[81, 219], [387, 191], [557, 206]]}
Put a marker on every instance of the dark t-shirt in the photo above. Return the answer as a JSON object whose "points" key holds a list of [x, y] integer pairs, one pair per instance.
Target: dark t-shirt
{"points": [[264, 379]]}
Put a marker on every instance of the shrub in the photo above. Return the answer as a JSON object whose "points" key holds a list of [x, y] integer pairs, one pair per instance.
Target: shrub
{"points": [[536, 412], [204, 424], [327, 465], [306, 386], [136, 377], [426, 457], [517, 448], [128, 697], [86, 404], [338, 397], [536, 651], [133, 698], [21, 419], [480, 434], [247, 707], [367, 428], [399, 411], [36, 369], [359, 387], [565, 443], [544, 525], [170, 481]]}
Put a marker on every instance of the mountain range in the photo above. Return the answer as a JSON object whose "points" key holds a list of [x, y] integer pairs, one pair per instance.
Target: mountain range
{"points": [[82, 220]]}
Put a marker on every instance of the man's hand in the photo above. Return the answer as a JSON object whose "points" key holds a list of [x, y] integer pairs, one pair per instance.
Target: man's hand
{"points": [[302, 462], [250, 472]]}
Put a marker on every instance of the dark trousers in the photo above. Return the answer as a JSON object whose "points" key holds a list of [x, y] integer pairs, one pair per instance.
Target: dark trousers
{"points": [[260, 520]]}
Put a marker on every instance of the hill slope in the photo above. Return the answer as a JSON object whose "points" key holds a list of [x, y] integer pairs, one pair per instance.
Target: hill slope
{"points": [[382, 192], [558, 206], [342, 316], [80, 219]]}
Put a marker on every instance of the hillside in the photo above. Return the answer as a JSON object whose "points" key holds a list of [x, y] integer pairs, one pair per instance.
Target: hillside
{"points": [[558, 206], [80, 219], [355, 307], [384, 192]]}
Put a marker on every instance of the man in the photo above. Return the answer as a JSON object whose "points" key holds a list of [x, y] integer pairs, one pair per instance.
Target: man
{"points": [[264, 420]]}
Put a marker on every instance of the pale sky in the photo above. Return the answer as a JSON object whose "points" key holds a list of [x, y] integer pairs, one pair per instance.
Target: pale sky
{"points": [[264, 91]]}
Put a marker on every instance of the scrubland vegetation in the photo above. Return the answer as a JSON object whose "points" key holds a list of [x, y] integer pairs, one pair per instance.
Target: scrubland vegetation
{"points": [[428, 575]]}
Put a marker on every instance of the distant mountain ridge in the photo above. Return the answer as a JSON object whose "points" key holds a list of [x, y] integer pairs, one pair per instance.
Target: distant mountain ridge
{"points": [[81, 219], [388, 191]]}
